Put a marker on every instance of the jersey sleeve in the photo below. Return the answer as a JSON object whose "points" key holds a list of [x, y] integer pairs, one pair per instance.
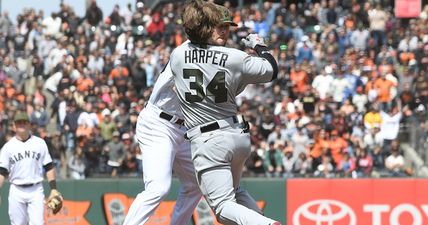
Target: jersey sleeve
{"points": [[46, 157], [4, 159], [256, 70]]}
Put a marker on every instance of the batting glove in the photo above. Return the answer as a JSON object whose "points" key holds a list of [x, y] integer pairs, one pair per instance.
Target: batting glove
{"points": [[252, 40]]}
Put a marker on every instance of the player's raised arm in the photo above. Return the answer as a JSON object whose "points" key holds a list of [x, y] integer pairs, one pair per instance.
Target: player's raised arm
{"points": [[259, 66]]}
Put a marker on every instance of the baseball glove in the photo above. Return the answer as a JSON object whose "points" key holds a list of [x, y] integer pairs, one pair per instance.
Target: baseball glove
{"points": [[55, 201]]}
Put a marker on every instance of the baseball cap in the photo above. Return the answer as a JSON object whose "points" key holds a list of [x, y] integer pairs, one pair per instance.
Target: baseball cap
{"points": [[126, 136], [21, 116], [227, 18], [116, 134]]}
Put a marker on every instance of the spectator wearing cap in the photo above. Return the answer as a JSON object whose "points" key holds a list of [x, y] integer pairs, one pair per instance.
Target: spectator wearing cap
{"points": [[322, 82], [129, 166], [116, 153], [304, 53], [107, 125], [71, 125]]}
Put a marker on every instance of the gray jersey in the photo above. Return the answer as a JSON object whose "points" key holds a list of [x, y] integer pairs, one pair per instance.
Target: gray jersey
{"points": [[208, 80]]}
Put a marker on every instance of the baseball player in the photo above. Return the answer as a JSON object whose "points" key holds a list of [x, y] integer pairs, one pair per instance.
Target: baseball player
{"points": [[23, 159], [160, 131], [207, 79]]}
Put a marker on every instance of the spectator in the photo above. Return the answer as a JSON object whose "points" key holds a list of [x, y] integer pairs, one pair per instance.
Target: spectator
{"points": [[76, 165], [116, 153], [394, 163], [273, 161], [302, 166], [364, 163], [288, 162], [346, 166], [254, 164], [94, 15]]}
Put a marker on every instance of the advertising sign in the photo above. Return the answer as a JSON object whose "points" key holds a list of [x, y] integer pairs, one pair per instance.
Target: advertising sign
{"points": [[407, 8], [72, 213], [357, 202]]}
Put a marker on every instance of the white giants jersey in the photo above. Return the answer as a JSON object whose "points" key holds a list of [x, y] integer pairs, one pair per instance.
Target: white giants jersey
{"points": [[209, 78], [25, 160], [163, 95]]}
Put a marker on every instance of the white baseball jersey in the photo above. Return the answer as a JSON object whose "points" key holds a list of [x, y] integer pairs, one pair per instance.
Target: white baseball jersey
{"points": [[24, 160], [208, 80], [163, 95]]}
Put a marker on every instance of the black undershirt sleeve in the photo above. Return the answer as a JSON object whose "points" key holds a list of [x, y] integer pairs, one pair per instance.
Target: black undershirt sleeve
{"points": [[48, 166], [4, 172], [263, 52]]}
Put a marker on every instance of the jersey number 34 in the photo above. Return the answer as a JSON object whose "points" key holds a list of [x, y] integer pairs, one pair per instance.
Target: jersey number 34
{"points": [[216, 87]]}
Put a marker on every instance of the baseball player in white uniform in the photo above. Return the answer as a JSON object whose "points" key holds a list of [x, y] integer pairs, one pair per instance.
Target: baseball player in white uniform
{"points": [[207, 79], [23, 159], [160, 132]]}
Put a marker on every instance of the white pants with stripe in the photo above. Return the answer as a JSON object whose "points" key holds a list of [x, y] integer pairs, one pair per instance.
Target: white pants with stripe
{"points": [[164, 149]]}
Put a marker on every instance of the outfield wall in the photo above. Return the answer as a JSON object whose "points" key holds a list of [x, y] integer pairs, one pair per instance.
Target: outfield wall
{"points": [[294, 201]]}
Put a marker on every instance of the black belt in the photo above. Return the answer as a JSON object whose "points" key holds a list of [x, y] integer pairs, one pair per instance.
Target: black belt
{"points": [[168, 117], [27, 185], [214, 125]]}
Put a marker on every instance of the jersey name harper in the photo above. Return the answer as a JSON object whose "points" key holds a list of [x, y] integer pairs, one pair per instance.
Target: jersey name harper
{"points": [[205, 56], [27, 154]]}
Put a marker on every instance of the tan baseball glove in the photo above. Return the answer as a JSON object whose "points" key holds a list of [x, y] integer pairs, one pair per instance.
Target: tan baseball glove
{"points": [[55, 201]]}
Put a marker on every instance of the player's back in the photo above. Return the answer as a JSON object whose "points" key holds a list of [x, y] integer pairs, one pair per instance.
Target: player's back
{"points": [[208, 78]]}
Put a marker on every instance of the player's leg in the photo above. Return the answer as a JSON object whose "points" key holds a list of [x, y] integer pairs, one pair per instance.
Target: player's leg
{"points": [[36, 206], [237, 164], [156, 146], [244, 198], [17, 207], [189, 194], [214, 152]]}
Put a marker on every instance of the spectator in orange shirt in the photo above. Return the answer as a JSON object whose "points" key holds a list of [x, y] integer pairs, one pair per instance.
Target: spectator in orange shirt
{"points": [[84, 83], [383, 87], [337, 146], [299, 79], [119, 76], [320, 147]]}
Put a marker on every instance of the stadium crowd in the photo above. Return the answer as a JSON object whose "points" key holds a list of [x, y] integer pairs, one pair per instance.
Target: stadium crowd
{"points": [[351, 74]]}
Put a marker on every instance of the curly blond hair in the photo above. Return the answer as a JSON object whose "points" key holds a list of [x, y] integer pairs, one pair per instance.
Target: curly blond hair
{"points": [[199, 20]]}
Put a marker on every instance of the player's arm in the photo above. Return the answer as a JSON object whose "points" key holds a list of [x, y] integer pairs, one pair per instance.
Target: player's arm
{"points": [[2, 177], [256, 42], [51, 175], [263, 52], [4, 165]]}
